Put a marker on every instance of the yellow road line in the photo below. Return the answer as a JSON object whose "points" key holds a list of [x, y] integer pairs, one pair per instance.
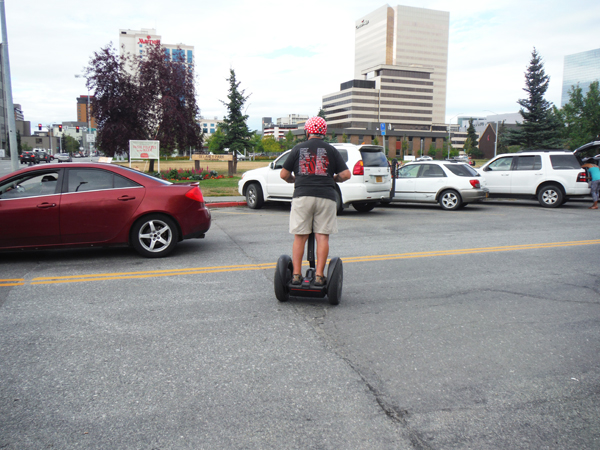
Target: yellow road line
{"points": [[12, 282], [247, 267]]}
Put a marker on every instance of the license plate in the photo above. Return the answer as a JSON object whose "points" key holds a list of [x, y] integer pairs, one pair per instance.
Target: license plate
{"points": [[378, 179]]}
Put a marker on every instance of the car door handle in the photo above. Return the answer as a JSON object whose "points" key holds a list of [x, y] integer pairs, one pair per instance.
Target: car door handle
{"points": [[124, 198], [46, 205]]}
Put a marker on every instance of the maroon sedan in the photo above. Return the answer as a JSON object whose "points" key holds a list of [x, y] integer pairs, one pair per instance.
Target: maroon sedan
{"points": [[94, 204]]}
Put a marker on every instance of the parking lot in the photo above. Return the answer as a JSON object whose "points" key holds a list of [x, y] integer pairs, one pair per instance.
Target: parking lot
{"points": [[470, 329]]}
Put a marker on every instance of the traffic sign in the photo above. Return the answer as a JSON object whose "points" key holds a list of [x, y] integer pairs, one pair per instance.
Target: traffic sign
{"points": [[382, 128]]}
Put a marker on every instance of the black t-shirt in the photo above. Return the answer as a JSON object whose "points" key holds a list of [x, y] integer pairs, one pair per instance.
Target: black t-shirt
{"points": [[314, 163]]}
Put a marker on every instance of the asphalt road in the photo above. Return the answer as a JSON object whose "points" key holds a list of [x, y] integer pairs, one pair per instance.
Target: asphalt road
{"points": [[474, 329]]}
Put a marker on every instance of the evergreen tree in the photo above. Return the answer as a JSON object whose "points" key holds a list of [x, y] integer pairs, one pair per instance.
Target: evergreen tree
{"points": [[234, 124], [322, 114], [540, 126]]}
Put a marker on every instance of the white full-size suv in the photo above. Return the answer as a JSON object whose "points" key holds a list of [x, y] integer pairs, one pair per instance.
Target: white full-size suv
{"points": [[370, 182], [551, 176]]}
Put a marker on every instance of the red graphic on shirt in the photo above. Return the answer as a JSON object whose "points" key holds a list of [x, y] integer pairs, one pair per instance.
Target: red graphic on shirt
{"points": [[313, 162]]}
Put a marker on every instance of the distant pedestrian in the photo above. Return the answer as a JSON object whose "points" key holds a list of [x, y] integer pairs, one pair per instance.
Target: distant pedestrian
{"points": [[594, 173]]}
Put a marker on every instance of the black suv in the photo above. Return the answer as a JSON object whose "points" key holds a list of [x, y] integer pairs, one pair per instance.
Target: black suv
{"points": [[43, 156], [29, 157]]}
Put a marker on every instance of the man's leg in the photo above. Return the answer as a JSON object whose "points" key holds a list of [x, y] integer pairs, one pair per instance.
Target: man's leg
{"points": [[322, 252], [298, 252]]}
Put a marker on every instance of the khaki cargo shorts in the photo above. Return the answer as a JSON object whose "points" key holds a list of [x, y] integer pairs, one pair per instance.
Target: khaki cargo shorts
{"points": [[313, 214]]}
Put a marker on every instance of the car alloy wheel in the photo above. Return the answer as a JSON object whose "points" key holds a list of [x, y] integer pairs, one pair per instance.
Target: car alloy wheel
{"points": [[450, 200], [154, 236], [550, 196]]}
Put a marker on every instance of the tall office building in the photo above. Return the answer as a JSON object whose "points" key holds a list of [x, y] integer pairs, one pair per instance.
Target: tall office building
{"points": [[136, 43], [82, 110], [580, 68], [408, 37]]}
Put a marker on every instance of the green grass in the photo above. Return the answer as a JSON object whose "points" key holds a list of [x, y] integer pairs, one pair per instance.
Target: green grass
{"points": [[223, 187]]}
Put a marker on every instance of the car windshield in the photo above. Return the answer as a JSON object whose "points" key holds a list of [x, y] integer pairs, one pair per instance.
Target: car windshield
{"points": [[462, 170]]}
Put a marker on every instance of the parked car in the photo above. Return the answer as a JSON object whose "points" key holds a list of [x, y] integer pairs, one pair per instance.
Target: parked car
{"points": [[452, 184], [369, 184], [424, 158], [95, 204], [29, 157], [43, 156], [63, 157], [551, 176]]}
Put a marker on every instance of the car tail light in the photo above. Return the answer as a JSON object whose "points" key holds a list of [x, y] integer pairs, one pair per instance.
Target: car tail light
{"points": [[582, 177], [195, 194], [358, 168], [475, 183]]}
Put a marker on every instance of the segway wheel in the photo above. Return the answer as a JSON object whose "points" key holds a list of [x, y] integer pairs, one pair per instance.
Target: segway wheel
{"points": [[335, 278], [283, 275]]}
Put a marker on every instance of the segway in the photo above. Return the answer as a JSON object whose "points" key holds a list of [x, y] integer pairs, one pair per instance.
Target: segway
{"points": [[332, 289]]}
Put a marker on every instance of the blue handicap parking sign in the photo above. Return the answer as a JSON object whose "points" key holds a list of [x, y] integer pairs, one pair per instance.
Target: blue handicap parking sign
{"points": [[382, 128]]}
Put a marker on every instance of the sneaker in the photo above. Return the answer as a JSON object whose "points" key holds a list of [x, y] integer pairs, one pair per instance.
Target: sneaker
{"points": [[297, 279], [320, 280]]}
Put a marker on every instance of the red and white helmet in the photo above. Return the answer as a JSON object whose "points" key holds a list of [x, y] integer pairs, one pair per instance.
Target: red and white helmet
{"points": [[316, 125]]}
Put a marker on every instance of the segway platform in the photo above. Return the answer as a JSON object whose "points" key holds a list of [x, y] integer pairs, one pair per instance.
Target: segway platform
{"points": [[332, 289]]}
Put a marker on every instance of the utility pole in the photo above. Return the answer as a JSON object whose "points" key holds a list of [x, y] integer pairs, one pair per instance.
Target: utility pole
{"points": [[10, 107]]}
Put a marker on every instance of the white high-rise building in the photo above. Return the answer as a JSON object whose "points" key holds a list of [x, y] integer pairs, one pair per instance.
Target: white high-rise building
{"points": [[406, 37], [136, 42]]}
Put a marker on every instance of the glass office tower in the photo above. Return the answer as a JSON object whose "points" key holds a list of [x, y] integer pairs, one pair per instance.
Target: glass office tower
{"points": [[580, 68]]}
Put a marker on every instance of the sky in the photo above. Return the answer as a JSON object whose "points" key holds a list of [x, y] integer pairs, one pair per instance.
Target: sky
{"points": [[287, 55]]}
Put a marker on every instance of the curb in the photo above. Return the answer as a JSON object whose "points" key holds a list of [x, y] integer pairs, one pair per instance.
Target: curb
{"points": [[225, 204]]}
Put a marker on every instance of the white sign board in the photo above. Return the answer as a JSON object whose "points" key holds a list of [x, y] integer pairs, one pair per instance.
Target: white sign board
{"points": [[91, 137], [144, 149], [2, 153]]}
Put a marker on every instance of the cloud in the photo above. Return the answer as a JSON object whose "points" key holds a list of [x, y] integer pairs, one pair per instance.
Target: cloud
{"points": [[296, 52]]}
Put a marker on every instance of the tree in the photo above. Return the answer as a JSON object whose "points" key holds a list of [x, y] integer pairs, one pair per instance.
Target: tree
{"points": [[152, 98], [333, 138], [501, 145], [375, 141], [322, 114], [289, 141], [432, 150], [234, 124], [69, 144], [540, 126], [344, 138], [468, 146], [255, 142], [471, 134], [270, 145], [216, 143], [581, 116], [167, 88]]}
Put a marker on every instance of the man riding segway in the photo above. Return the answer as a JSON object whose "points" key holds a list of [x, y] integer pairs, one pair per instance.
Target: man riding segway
{"points": [[314, 166]]}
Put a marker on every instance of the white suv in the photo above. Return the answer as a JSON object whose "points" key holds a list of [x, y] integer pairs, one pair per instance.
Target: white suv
{"points": [[370, 183], [551, 176]]}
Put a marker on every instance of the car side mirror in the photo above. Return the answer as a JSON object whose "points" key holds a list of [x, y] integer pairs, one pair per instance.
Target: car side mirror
{"points": [[486, 169], [271, 165]]}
